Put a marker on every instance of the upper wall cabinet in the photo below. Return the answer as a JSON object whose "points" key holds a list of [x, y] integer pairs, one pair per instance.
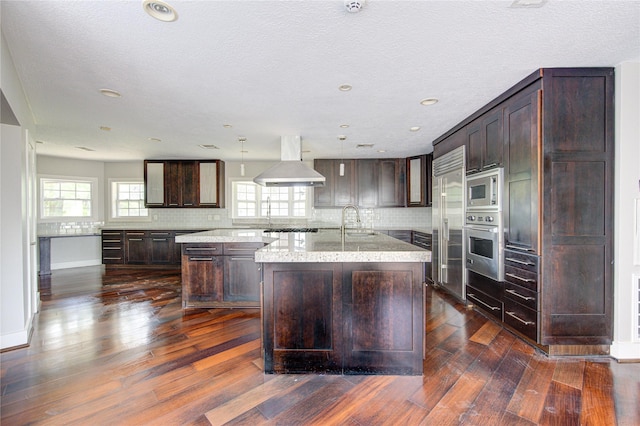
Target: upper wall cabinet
{"points": [[484, 141], [364, 182], [419, 180], [184, 183]]}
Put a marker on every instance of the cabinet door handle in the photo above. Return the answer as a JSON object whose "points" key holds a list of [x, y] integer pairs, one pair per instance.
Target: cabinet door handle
{"points": [[515, 293], [112, 258], [242, 258], [135, 239], [160, 239], [520, 262], [173, 204], [159, 233], [200, 248], [111, 248], [135, 233], [527, 280], [513, 315], [200, 259], [473, 170], [493, 308], [489, 165], [187, 204], [110, 241]]}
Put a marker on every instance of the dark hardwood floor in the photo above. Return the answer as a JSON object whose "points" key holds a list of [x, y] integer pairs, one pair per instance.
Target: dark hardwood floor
{"points": [[116, 348]]}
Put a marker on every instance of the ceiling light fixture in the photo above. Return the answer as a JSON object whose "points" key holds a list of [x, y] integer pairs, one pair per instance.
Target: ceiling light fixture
{"points": [[429, 101], [160, 10], [242, 140], [354, 6], [105, 128], [528, 3], [342, 138], [344, 126], [110, 93], [227, 126], [345, 87], [414, 128]]}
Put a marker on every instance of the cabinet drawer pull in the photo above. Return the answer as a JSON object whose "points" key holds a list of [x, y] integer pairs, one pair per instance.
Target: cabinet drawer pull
{"points": [[111, 233], [473, 170], [527, 280], [112, 258], [515, 293], [187, 204], [159, 233], [242, 258], [135, 233], [110, 241], [520, 262], [237, 249], [493, 308], [111, 248], [173, 204], [509, 246], [200, 259], [135, 239], [489, 165], [160, 239], [513, 315], [200, 248]]}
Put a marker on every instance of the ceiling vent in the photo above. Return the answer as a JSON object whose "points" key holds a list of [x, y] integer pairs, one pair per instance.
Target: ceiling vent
{"points": [[354, 6]]}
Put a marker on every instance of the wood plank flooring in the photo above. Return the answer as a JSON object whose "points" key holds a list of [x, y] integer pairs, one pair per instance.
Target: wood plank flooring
{"points": [[115, 348]]}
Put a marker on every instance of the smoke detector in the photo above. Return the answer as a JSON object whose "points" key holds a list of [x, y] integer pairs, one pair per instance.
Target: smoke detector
{"points": [[354, 6]]}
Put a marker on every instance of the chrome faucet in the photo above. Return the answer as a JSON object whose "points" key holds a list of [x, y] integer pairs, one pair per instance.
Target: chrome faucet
{"points": [[343, 227]]}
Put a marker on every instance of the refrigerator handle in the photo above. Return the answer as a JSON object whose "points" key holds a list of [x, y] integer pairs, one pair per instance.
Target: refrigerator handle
{"points": [[445, 228]]}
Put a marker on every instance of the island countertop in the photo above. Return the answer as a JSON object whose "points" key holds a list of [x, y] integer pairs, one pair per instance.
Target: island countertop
{"points": [[322, 246]]}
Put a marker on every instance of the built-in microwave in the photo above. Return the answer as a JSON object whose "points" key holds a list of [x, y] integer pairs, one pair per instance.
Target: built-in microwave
{"points": [[484, 190]]}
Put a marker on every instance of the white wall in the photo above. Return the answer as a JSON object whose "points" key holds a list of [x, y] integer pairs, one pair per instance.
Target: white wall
{"points": [[626, 344], [17, 292]]}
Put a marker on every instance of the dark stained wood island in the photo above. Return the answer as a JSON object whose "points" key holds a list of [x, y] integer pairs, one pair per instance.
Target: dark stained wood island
{"points": [[352, 309]]}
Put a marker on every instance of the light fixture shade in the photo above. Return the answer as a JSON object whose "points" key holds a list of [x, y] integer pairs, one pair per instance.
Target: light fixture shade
{"points": [[241, 169], [341, 169]]}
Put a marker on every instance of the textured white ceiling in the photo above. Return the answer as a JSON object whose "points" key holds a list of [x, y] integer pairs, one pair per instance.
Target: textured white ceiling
{"points": [[272, 68]]}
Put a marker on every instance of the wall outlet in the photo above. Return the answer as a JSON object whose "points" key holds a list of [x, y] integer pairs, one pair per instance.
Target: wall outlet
{"points": [[216, 217], [155, 217], [209, 217]]}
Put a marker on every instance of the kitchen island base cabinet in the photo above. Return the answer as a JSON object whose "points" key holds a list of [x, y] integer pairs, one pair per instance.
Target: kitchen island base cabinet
{"points": [[343, 318]]}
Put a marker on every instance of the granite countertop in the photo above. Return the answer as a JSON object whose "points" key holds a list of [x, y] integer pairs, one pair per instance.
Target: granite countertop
{"points": [[322, 246]]}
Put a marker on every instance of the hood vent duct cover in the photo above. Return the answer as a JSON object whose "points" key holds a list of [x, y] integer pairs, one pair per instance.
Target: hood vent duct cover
{"points": [[290, 171]]}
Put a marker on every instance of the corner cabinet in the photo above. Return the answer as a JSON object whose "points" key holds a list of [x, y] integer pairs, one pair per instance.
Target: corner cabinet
{"points": [[419, 189], [557, 149], [184, 183]]}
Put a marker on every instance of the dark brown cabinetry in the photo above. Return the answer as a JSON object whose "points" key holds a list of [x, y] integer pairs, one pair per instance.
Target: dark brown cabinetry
{"points": [[484, 141], [419, 170], [424, 240], [346, 318], [113, 247], [184, 183], [217, 275], [486, 294], [558, 135], [202, 274], [366, 183]]}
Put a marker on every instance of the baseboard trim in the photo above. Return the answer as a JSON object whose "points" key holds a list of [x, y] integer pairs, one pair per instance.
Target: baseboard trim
{"points": [[77, 264], [626, 351]]}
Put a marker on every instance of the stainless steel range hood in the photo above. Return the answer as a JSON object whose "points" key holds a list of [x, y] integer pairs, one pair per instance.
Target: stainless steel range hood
{"points": [[290, 171]]}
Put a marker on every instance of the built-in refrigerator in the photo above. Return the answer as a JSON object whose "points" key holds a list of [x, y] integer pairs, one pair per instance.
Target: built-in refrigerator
{"points": [[448, 220]]}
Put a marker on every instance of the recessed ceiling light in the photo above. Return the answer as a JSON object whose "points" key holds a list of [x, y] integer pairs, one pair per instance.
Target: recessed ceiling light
{"points": [[110, 93], [42, 142], [344, 126], [429, 101], [342, 137], [345, 87], [364, 145], [227, 126], [208, 146], [160, 10], [414, 128], [84, 148], [155, 139], [382, 150], [528, 3], [105, 128]]}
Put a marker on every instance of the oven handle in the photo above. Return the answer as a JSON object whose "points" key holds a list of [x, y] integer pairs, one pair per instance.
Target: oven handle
{"points": [[492, 229]]}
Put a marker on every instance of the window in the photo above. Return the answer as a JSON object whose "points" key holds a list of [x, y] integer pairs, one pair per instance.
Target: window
{"points": [[252, 201], [127, 200], [67, 197]]}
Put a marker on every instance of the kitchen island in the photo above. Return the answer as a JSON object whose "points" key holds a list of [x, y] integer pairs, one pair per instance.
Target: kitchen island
{"points": [[356, 308], [331, 307]]}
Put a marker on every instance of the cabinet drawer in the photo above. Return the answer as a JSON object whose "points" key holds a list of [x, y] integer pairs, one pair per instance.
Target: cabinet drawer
{"points": [[521, 260], [521, 277], [241, 249], [112, 255], [521, 295], [485, 302], [202, 250], [421, 240], [521, 318], [486, 285]]}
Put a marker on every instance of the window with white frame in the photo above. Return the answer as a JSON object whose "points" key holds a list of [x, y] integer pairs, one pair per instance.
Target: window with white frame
{"points": [[127, 200], [68, 197], [252, 201]]}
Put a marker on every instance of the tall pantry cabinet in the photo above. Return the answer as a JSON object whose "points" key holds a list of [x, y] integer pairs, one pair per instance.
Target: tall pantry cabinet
{"points": [[558, 158]]}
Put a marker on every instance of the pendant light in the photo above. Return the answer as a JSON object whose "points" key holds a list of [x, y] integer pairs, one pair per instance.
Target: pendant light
{"points": [[342, 138], [242, 141]]}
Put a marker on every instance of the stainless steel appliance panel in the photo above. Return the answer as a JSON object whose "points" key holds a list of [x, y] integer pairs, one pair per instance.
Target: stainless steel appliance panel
{"points": [[448, 221]]}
